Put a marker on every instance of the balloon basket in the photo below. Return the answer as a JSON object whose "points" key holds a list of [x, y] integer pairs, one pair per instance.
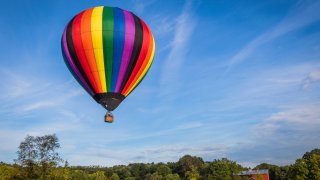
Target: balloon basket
{"points": [[108, 118]]}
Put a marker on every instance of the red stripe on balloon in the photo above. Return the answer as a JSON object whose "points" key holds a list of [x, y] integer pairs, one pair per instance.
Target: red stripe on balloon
{"points": [[144, 64], [78, 46], [141, 58]]}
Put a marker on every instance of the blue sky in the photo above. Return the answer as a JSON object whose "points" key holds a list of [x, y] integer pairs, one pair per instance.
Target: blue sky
{"points": [[235, 79]]}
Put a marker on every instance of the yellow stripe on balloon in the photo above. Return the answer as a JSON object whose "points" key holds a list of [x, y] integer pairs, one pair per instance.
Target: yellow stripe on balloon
{"points": [[96, 33], [145, 70]]}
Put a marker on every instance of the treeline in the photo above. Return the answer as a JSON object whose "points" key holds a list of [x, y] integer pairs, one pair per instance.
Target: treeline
{"points": [[38, 159], [188, 167]]}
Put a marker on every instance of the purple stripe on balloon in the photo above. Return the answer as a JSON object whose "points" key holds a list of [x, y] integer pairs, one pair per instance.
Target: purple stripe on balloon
{"points": [[71, 63], [128, 46]]}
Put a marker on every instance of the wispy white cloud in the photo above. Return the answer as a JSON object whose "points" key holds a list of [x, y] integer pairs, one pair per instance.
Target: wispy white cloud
{"points": [[163, 24], [312, 78], [182, 149], [129, 136], [14, 85], [307, 115], [63, 122], [271, 111], [25, 97], [273, 139], [57, 125], [37, 105], [300, 16], [261, 88], [170, 75], [50, 101], [23, 94], [163, 153], [305, 118], [190, 125], [139, 7]]}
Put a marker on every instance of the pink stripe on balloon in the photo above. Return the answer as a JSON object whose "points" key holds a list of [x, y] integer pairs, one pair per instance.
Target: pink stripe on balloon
{"points": [[128, 46], [71, 63]]}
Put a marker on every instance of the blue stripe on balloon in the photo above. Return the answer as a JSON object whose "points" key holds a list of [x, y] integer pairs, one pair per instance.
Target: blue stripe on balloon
{"points": [[118, 40]]}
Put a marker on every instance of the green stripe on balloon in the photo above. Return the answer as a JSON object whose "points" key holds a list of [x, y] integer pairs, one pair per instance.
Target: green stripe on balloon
{"points": [[107, 33]]}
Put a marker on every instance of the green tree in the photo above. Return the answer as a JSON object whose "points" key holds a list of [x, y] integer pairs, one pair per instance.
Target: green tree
{"points": [[189, 163], [99, 175], [314, 166], [222, 169], [308, 155], [299, 170], [156, 176], [66, 171], [57, 173], [312, 159], [48, 157], [193, 174], [283, 173], [27, 157], [163, 170], [79, 174], [114, 177], [172, 177], [37, 155], [9, 172], [130, 178], [174, 166], [138, 170], [123, 172]]}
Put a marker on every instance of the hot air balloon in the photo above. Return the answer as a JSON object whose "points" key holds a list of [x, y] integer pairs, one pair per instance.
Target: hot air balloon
{"points": [[109, 51]]}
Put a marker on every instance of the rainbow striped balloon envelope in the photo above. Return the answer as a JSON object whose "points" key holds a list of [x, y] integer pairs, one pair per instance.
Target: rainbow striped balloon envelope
{"points": [[109, 51]]}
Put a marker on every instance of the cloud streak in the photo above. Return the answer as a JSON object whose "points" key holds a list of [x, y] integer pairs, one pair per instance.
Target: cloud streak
{"points": [[25, 94], [165, 153], [311, 79], [273, 139], [300, 16], [139, 7], [171, 70], [305, 118]]}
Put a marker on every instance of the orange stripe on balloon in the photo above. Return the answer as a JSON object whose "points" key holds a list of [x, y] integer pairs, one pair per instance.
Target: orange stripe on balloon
{"points": [[87, 46], [141, 58], [144, 61], [77, 43]]}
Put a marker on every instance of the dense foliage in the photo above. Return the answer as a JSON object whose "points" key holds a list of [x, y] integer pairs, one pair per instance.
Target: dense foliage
{"points": [[38, 154], [37, 159], [188, 167]]}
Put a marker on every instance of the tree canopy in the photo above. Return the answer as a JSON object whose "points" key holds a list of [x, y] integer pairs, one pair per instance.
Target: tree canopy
{"points": [[37, 155], [38, 159]]}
